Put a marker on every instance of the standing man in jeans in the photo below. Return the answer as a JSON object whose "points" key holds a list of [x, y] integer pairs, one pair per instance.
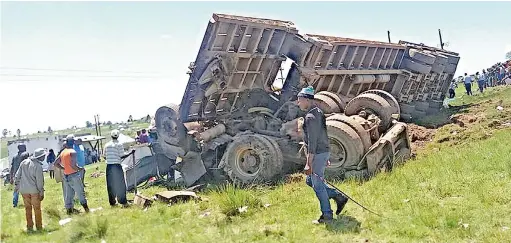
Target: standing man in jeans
{"points": [[29, 181], [468, 84], [318, 154], [115, 182], [80, 157], [15, 164], [72, 177]]}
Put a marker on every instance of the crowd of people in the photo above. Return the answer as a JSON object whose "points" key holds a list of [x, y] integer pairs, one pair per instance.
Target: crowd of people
{"points": [[68, 168], [498, 74]]}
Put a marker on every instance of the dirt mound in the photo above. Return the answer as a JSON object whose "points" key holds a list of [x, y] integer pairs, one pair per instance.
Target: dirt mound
{"points": [[463, 119], [419, 136]]}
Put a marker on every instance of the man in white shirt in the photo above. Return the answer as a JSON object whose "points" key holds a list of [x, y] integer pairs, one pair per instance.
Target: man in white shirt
{"points": [[468, 84], [115, 182]]}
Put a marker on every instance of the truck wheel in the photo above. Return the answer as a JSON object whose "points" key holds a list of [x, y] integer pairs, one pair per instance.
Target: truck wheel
{"points": [[416, 66], [388, 97], [327, 104], [340, 103], [346, 147], [355, 123], [373, 104], [422, 56], [168, 126], [401, 156], [252, 158]]}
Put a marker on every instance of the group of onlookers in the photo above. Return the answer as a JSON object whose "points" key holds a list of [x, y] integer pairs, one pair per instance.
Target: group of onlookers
{"points": [[67, 168], [498, 74]]}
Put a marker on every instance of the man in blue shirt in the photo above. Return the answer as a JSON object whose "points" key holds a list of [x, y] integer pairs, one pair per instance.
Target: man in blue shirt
{"points": [[80, 157]]}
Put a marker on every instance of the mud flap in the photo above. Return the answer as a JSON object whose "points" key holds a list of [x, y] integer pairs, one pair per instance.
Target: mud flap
{"points": [[192, 168]]}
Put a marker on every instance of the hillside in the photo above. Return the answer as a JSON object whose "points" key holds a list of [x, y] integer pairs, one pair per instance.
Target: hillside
{"points": [[454, 190]]}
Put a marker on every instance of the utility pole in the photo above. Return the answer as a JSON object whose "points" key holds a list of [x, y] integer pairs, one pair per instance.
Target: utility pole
{"points": [[388, 35], [441, 42]]}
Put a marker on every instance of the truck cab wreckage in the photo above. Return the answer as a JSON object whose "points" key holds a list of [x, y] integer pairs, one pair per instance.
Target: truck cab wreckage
{"points": [[238, 120]]}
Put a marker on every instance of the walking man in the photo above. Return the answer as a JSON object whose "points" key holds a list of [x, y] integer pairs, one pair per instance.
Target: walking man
{"points": [[72, 177], [318, 154], [29, 181], [15, 164], [452, 89], [115, 182], [468, 84]]}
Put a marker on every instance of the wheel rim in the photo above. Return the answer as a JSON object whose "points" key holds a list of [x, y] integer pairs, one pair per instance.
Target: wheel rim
{"points": [[247, 161], [337, 153]]}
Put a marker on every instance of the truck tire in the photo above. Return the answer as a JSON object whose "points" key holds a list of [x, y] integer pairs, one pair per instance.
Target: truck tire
{"points": [[441, 59], [355, 123], [252, 158], [421, 56], [373, 104], [327, 104], [346, 147], [422, 106], [340, 103], [388, 97], [168, 126], [416, 66], [450, 68], [438, 68]]}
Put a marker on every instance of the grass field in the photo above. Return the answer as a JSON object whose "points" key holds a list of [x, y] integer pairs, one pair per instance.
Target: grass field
{"points": [[455, 190]]}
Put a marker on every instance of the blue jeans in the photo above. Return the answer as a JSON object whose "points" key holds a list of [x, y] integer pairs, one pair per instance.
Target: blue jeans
{"points": [[322, 190], [15, 196], [73, 184]]}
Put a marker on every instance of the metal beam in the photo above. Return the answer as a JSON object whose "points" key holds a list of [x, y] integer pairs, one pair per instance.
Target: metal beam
{"points": [[363, 57], [381, 58], [375, 72], [353, 57]]}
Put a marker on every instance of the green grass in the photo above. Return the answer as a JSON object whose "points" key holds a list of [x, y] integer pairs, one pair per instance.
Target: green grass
{"points": [[455, 190]]}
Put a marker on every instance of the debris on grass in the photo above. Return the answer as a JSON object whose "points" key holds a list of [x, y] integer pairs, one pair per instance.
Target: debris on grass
{"points": [[65, 221]]}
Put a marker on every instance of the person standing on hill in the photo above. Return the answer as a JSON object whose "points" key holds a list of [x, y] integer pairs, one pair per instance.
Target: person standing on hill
{"points": [[318, 154], [50, 159], [29, 181], [16, 161], [452, 88], [72, 177], [468, 84], [115, 182]]}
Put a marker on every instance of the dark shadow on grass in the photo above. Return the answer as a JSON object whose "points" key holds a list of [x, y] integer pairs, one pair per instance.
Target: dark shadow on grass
{"points": [[344, 224], [443, 117]]}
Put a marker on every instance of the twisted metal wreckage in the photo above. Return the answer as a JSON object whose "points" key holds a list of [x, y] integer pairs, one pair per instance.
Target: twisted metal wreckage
{"points": [[237, 119]]}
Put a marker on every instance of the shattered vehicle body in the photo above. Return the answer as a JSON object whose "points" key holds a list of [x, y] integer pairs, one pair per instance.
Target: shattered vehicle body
{"points": [[238, 119]]}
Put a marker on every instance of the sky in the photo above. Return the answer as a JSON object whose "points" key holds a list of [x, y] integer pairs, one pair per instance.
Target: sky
{"points": [[63, 62]]}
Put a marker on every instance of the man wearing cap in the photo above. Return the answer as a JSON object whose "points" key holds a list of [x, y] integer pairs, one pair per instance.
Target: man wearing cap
{"points": [[15, 164], [72, 177], [318, 154], [115, 182], [29, 181]]}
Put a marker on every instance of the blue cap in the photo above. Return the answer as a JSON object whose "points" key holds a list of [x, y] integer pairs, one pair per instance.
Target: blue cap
{"points": [[307, 92]]}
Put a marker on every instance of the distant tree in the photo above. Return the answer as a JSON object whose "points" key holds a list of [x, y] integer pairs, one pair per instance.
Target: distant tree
{"points": [[50, 130], [18, 132], [130, 119], [508, 55], [88, 124], [109, 123], [38, 131], [4, 132]]}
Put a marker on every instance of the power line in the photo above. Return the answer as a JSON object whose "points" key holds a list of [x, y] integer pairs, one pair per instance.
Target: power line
{"points": [[70, 70]]}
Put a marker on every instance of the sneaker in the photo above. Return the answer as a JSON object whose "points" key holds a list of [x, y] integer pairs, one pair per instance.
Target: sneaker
{"points": [[341, 201], [323, 220]]}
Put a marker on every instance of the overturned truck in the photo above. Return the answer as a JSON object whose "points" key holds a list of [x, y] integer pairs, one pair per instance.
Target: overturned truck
{"points": [[238, 119]]}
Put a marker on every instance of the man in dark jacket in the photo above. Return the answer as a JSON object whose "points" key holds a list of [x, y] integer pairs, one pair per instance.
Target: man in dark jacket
{"points": [[318, 154], [16, 161]]}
